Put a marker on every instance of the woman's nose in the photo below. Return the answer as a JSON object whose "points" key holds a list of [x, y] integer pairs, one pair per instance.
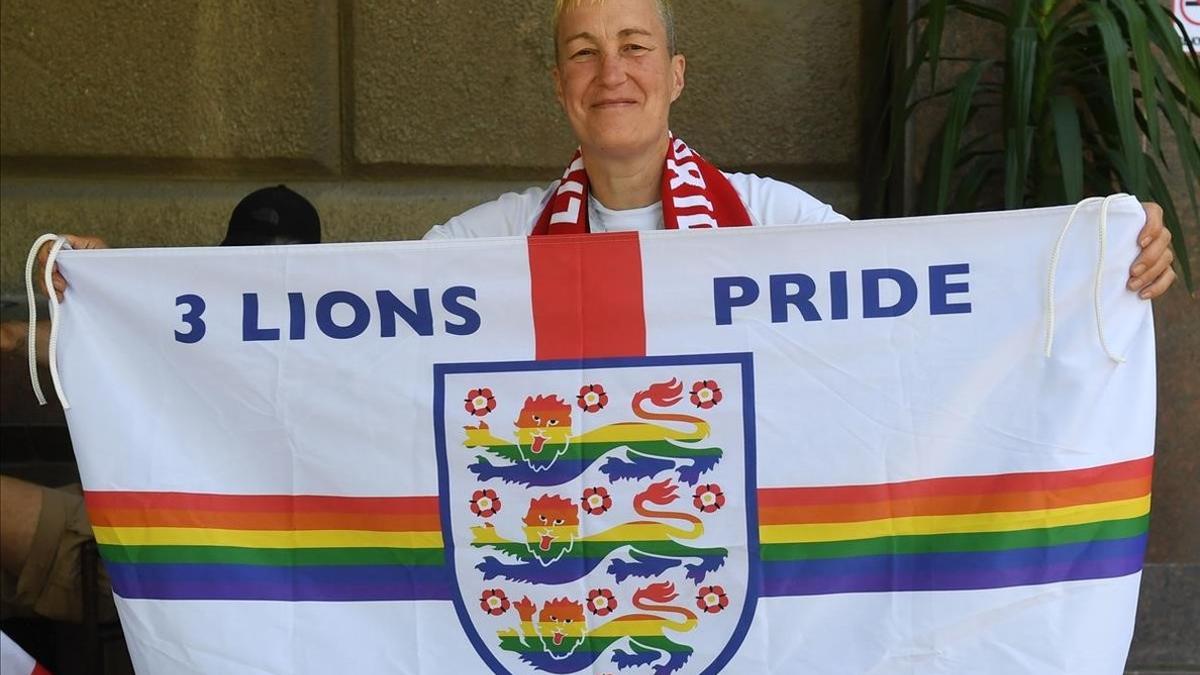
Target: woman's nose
{"points": [[612, 70]]}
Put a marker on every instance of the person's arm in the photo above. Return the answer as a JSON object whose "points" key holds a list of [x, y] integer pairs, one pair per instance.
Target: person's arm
{"points": [[512, 214], [14, 337], [773, 202]]}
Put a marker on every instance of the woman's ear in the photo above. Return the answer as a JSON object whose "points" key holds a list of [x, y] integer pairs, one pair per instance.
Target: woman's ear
{"points": [[558, 89], [678, 68]]}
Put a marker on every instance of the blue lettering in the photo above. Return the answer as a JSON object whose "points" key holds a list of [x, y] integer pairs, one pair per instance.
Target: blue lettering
{"points": [[839, 303], [724, 301], [940, 289], [250, 330], [419, 319], [872, 309], [800, 298], [296, 311], [358, 324], [193, 317], [452, 303]]}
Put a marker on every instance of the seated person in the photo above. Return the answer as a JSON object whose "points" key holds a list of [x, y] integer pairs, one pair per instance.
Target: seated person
{"points": [[41, 532]]}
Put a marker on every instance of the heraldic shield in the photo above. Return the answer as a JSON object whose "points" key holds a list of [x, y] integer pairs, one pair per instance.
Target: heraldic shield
{"points": [[599, 515]]}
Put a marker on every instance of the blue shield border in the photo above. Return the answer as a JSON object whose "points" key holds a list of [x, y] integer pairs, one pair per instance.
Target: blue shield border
{"points": [[743, 359]]}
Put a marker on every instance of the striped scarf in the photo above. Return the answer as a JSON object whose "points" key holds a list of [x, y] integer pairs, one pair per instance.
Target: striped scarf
{"points": [[694, 195]]}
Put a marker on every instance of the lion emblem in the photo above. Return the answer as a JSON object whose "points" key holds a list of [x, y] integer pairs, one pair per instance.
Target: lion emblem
{"points": [[553, 550], [552, 643], [544, 452]]}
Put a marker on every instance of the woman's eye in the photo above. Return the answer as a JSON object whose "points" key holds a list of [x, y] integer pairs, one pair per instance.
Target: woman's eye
{"points": [[537, 418], [553, 423], [558, 521], [542, 518]]}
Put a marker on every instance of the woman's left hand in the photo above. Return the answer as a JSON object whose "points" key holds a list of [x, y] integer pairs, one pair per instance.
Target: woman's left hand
{"points": [[1151, 274]]}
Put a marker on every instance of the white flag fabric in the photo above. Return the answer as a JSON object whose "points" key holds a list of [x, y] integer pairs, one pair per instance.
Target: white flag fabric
{"points": [[904, 446], [16, 661]]}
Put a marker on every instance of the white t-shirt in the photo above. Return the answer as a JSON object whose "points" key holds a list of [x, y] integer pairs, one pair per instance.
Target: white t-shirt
{"points": [[769, 202]]}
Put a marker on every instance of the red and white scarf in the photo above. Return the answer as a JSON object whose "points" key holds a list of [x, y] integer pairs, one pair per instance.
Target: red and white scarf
{"points": [[694, 195]]}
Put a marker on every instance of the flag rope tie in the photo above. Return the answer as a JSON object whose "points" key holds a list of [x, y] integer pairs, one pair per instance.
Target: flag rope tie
{"points": [[31, 300], [1105, 202]]}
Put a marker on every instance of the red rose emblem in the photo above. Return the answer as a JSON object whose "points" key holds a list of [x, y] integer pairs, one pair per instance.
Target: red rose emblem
{"points": [[480, 402], [592, 398], [494, 601], [601, 602], [708, 498], [596, 501], [485, 503], [706, 394], [711, 599]]}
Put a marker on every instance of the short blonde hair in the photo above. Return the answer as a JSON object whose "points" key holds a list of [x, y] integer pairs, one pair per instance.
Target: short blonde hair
{"points": [[664, 12]]}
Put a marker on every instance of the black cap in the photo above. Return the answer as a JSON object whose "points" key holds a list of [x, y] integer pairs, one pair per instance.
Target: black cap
{"points": [[274, 215]]}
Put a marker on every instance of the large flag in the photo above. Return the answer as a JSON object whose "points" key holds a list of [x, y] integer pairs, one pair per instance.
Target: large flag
{"points": [[912, 446]]}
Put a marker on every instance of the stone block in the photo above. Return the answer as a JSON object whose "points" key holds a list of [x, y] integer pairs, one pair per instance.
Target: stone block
{"points": [[468, 84], [772, 83], [164, 79], [1167, 636], [455, 84]]}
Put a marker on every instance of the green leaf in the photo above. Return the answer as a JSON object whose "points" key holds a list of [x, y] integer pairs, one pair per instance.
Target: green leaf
{"points": [[980, 11], [1117, 57], [1019, 16], [1185, 67], [1186, 142], [1147, 66], [952, 132], [927, 196], [1070, 146], [933, 31], [1072, 23], [966, 197], [1022, 60], [1170, 91]]}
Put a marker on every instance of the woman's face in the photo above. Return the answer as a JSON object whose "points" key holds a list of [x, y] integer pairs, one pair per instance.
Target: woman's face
{"points": [[616, 78]]}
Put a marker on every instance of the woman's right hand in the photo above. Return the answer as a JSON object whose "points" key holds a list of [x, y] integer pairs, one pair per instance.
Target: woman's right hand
{"points": [[77, 242]]}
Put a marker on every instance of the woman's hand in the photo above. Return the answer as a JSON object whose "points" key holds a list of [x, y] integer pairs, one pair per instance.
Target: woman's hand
{"points": [[77, 242], [1151, 274]]}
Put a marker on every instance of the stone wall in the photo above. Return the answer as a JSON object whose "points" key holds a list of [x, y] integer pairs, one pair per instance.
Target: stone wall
{"points": [[146, 122]]}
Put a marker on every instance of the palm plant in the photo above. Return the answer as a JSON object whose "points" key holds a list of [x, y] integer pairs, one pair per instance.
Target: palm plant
{"points": [[1084, 100]]}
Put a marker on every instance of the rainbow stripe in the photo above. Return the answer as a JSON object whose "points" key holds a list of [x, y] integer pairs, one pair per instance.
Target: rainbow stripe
{"points": [[182, 546], [959, 533]]}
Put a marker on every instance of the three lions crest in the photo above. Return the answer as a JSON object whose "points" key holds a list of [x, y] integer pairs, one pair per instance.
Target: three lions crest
{"points": [[608, 530]]}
